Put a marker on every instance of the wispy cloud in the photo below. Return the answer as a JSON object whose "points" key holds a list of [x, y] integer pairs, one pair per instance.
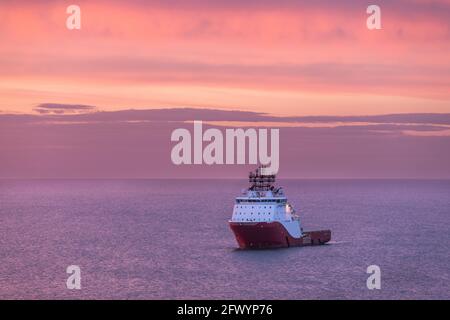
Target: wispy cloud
{"points": [[148, 53], [136, 144], [54, 112], [54, 108]]}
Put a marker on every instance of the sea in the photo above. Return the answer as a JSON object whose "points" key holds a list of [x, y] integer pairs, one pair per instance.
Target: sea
{"points": [[170, 239]]}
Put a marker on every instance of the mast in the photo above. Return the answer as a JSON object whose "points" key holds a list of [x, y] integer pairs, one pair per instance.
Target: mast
{"points": [[259, 181]]}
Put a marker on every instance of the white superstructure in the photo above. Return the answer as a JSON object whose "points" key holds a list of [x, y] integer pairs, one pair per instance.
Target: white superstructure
{"points": [[264, 203]]}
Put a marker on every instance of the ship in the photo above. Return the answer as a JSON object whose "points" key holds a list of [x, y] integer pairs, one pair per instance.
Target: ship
{"points": [[263, 218]]}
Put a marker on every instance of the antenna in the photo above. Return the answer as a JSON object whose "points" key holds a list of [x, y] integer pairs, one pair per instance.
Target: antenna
{"points": [[260, 181]]}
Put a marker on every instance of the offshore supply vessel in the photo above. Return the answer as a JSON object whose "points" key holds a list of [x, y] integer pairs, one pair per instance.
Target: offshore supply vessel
{"points": [[263, 218]]}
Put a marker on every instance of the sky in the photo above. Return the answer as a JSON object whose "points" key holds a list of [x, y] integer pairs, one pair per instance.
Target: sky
{"points": [[67, 141], [291, 57], [287, 61]]}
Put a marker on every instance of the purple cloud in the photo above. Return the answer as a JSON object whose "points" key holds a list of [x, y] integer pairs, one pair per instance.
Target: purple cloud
{"points": [[136, 144]]}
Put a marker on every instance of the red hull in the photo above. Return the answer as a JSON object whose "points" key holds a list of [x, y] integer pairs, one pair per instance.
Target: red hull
{"points": [[263, 235]]}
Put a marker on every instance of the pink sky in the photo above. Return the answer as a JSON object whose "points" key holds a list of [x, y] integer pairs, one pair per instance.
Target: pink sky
{"points": [[232, 63], [295, 58]]}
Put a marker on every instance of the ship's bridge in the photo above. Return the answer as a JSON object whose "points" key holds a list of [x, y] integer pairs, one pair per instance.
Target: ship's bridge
{"points": [[249, 209], [262, 201]]}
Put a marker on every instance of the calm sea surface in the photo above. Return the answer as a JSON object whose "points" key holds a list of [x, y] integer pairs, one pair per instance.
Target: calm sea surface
{"points": [[153, 239]]}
